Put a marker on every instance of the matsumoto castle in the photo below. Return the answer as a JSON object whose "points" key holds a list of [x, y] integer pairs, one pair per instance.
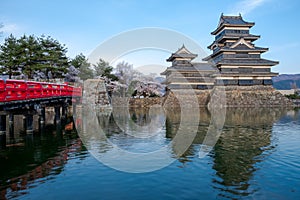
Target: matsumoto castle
{"points": [[235, 60]]}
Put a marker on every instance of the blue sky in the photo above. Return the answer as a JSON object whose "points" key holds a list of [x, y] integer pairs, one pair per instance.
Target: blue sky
{"points": [[83, 25]]}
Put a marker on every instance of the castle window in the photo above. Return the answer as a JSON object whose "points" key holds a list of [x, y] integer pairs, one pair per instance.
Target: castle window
{"points": [[268, 82], [237, 31], [242, 55], [245, 82], [245, 70], [261, 70], [230, 70]]}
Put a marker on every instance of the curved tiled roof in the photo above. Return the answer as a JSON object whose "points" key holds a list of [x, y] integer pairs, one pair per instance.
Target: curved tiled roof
{"points": [[182, 52], [231, 21], [241, 61], [235, 36], [238, 48], [234, 20]]}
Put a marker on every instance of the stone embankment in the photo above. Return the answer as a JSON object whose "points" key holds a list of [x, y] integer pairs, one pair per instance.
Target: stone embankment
{"points": [[188, 98], [145, 102], [231, 96], [253, 96], [95, 95]]}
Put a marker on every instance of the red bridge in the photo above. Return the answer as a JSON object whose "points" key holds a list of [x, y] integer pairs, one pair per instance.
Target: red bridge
{"points": [[28, 98], [18, 90]]}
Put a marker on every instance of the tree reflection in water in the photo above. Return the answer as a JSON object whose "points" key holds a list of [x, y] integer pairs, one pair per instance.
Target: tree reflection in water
{"points": [[25, 164]]}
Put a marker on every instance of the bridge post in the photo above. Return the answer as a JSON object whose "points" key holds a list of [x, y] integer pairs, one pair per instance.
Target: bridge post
{"points": [[29, 140], [29, 124], [11, 125], [2, 131], [3, 141], [2, 124], [42, 118], [64, 111], [57, 115], [24, 122], [74, 109], [74, 115]]}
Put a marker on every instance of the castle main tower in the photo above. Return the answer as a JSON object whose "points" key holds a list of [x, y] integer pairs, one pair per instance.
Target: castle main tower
{"points": [[237, 58]]}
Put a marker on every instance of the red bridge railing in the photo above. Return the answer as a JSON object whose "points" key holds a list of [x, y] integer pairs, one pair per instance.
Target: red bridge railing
{"points": [[17, 90]]}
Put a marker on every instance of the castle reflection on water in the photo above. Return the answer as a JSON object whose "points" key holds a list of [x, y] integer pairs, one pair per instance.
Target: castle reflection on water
{"points": [[246, 140]]}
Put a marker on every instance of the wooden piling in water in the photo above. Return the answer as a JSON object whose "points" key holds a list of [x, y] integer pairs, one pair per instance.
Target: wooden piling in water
{"points": [[29, 124], [57, 115]]}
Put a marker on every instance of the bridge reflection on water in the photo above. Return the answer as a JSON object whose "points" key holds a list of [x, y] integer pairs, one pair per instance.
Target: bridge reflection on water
{"points": [[32, 159]]}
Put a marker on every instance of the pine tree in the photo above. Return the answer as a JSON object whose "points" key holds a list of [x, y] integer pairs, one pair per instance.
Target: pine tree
{"points": [[53, 57], [103, 69], [81, 63], [10, 61], [33, 57], [30, 55]]}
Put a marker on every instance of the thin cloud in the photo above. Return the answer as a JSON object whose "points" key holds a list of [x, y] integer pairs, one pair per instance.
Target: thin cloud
{"points": [[246, 6], [284, 47], [9, 28]]}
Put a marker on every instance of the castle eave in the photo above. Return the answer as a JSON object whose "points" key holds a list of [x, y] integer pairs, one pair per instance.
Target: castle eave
{"points": [[208, 58], [248, 62], [254, 75], [237, 36], [227, 49], [231, 25], [174, 55]]}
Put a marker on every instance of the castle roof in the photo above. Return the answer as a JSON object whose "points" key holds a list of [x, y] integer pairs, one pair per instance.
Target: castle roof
{"points": [[250, 62], [195, 68], [238, 48], [235, 37], [182, 52], [233, 21]]}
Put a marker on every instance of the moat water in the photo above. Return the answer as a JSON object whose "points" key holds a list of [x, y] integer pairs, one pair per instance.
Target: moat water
{"points": [[256, 156]]}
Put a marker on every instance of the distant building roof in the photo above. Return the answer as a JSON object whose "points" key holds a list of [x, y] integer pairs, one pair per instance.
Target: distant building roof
{"points": [[287, 92]]}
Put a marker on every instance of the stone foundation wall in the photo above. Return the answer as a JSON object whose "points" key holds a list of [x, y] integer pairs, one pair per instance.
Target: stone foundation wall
{"points": [[136, 102], [120, 101], [187, 98], [145, 102], [95, 93], [252, 96], [219, 96]]}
